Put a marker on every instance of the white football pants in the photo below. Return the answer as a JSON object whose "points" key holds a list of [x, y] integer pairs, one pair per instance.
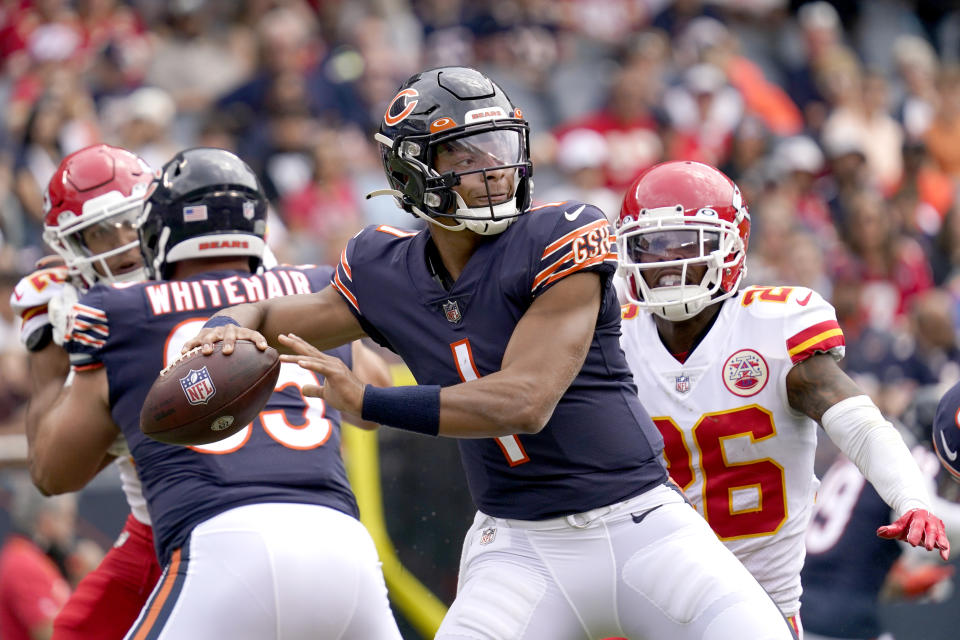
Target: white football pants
{"points": [[272, 572], [648, 568]]}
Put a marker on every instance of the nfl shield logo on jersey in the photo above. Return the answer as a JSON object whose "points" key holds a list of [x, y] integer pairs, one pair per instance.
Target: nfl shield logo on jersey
{"points": [[487, 535], [198, 386], [683, 384], [452, 311]]}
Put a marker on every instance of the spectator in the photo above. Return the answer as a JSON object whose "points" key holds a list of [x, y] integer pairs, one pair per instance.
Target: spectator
{"points": [[581, 156], [822, 34], [916, 65], [143, 122], [893, 267], [861, 111], [33, 563], [323, 214], [797, 162], [629, 123], [924, 193], [38, 153], [943, 135], [188, 50], [703, 112], [945, 252]]}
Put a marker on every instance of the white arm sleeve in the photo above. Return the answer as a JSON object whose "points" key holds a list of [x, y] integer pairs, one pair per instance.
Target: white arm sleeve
{"points": [[874, 445]]}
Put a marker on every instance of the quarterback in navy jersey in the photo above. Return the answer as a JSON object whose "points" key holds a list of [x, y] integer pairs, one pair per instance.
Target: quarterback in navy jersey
{"points": [[507, 317], [272, 501]]}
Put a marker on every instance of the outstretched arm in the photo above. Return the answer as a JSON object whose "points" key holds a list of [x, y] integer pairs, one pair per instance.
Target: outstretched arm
{"points": [[322, 319], [544, 355], [820, 389]]}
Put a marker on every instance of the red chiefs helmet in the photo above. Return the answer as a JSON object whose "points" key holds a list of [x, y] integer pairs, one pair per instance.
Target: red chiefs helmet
{"points": [[678, 215], [101, 186]]}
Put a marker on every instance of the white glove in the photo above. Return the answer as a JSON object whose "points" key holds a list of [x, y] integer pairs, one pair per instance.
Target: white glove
{"points": [[59, 309]]}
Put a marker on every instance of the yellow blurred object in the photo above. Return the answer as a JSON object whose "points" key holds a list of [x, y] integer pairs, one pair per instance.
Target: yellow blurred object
{"points": [[414, 601]]}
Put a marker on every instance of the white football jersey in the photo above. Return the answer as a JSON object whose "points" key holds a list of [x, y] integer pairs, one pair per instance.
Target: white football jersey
{"points": [[743, 457]]}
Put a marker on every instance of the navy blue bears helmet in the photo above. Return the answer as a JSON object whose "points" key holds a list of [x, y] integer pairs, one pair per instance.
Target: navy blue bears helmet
{"points": [[454, 108], [205, 203], [946, 431]]}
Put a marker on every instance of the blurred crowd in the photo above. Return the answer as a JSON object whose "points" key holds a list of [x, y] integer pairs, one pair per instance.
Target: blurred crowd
{"points": [[840, 121]]}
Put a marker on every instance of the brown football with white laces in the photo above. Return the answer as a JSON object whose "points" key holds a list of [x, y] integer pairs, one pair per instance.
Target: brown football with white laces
{"points": [[201, 399]]}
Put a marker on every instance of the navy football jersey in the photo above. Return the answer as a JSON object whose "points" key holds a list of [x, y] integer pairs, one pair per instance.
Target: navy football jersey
{"points": [[290, 453], [599, 446], [846, 562]]}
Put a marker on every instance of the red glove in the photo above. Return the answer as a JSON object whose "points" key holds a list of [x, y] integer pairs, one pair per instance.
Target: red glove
{"points": [[919, 527]]}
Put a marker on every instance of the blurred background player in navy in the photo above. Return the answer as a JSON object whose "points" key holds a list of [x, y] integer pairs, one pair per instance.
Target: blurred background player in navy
{"points": [[269, 506], [848, 568], [738, 380], [91, 207], [508, 318], [946, 431]]}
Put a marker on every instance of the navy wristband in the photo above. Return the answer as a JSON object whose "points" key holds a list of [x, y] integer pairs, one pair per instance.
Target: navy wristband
{"points": [[220, 321], [412, 408]]}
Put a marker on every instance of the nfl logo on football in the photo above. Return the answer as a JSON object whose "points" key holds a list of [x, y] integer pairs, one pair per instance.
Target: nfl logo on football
{"points": [[452, 311], [683, 384], [487, 535], [198, 386]]}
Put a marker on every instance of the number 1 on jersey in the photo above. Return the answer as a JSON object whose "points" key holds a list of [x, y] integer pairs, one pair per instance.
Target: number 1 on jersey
{"points": [[463, 357]]}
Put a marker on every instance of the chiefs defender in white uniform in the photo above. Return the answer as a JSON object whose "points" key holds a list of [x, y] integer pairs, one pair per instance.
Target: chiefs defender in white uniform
{"points": [[738, 381], [90, 208]]}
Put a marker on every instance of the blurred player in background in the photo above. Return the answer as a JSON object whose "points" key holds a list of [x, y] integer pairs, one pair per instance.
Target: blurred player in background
{"points": [[738, 381], [847, 566], [269, 506], [507, 317], [91, 207], [946, 431]]}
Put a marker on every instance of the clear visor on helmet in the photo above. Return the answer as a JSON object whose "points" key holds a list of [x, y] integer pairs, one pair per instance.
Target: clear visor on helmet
{"points": [[676, 244], [675, 264], [102, 246], [480, 151]]}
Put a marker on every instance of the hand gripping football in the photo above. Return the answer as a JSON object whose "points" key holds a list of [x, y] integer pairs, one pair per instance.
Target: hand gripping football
{"points": [[201, 399]]}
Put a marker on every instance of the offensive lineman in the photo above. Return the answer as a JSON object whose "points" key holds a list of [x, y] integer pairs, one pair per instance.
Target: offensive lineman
{"points": [[92, 204], [258, 533], [737, 381], [507, 317]]}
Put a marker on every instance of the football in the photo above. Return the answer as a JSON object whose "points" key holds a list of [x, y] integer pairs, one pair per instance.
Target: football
{"points": [[201, 399]]}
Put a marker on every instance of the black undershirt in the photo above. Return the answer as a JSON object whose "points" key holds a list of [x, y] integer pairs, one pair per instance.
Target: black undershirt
{"points": [[436, 268]]}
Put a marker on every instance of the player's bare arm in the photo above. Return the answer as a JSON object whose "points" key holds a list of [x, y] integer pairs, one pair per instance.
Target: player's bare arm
{"points": [[818, 383], [545, 352], [69, 431], [322, 319]]}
